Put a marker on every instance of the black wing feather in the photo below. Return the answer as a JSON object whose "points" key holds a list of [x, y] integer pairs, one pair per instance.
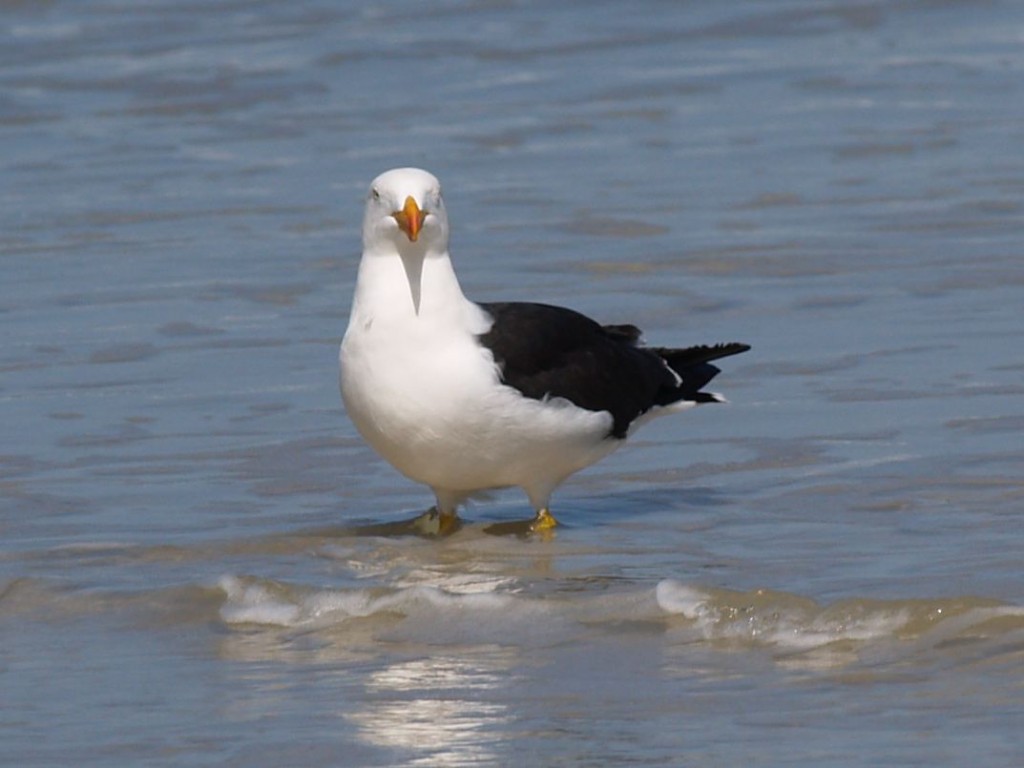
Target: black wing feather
{"points": [[547, 351]]}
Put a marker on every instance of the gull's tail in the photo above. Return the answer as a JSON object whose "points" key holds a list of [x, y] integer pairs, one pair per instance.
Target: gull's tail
{"points": [[693, 367]]}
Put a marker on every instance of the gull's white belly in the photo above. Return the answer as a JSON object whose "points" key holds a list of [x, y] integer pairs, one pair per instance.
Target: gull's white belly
{"points": [[438, 413]]}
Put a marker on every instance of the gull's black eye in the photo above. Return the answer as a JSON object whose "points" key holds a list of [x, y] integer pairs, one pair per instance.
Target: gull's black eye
{"points": [[375, 194]]}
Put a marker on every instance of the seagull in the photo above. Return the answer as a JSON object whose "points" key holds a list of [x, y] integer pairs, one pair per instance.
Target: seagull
{"points": [[469, 397]]}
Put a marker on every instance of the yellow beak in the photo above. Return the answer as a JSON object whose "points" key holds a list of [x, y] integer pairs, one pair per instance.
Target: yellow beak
{"points": [[410, 219]]}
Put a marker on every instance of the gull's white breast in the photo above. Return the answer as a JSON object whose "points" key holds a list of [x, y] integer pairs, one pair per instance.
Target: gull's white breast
{"points": [[428, 397]]}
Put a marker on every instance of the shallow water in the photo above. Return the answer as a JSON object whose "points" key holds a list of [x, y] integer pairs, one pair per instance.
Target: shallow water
{"points": [[824, 572]]}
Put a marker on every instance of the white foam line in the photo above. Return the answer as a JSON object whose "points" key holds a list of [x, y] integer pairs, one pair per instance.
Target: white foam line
{"points": [[255, 604]]}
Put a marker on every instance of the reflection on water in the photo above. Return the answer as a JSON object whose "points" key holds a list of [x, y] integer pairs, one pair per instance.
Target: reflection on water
{"points": [[434, 707]]}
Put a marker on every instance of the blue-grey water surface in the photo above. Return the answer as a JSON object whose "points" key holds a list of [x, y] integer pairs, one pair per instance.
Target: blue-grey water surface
{"points": [[827, 571]]}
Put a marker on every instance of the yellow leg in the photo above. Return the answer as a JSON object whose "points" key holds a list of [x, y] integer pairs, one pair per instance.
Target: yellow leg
{"points": [[436, 523], [544, 521], [448, 524]]}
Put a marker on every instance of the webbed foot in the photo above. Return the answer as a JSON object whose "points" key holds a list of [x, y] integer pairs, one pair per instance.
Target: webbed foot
{"points": [[434, 523], [431, 523], [543, 523]]}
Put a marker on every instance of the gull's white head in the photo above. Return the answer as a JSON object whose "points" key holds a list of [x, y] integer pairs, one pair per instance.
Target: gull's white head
{"points": [[405, 213]]}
